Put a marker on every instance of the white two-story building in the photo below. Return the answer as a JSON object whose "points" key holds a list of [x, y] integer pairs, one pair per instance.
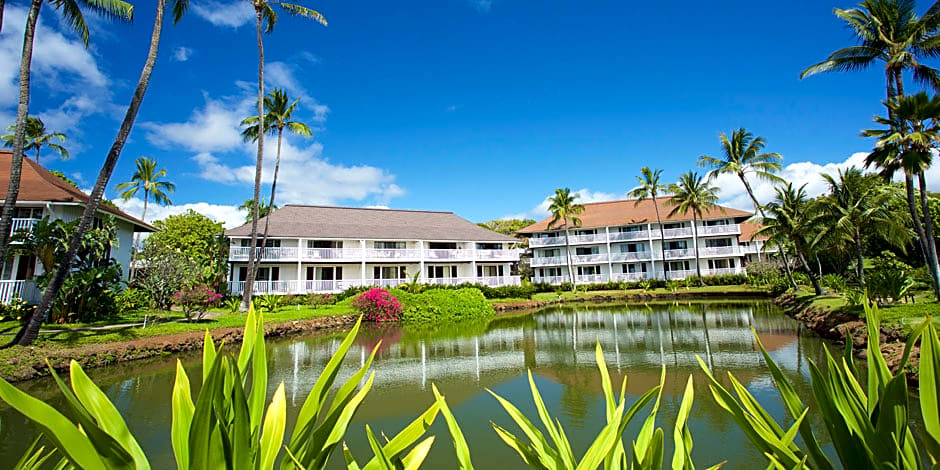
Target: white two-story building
{"points": [[43, 194], [621, 241], [321, 249]]}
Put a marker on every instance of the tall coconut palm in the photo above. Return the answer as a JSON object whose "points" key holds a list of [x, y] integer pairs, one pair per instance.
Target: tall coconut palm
{"points": [[31, 330], [792, 219], [650, 188], [280, 111], [147, 178], [906, 144], [888, 31], [266, 18], [72, 16], [38, 137], [565, 210], [856, 209], [742, 155], [694, 194]]}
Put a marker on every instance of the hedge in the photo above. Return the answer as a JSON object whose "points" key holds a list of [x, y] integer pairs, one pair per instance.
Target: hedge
{"points": [[443, 305]]}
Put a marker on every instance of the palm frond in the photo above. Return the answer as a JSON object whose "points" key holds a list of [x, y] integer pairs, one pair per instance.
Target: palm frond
{"points": [[305, 12]]}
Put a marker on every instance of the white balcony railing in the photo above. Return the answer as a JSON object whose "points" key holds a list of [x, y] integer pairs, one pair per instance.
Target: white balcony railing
{"points": [[677, 232], [682, 253], [629, 277], [549, 260], [589, 238], [719, 229], [591, 278], [628, 256], [310, 254], [677, 274], [24, 290], [448, 254], [627, 236], [497, 281], [591, 258], [240, 253], [547, 241], [722, 271], [321, 286], [22, 224], [721, 251], [392, 253], [511, 254]]}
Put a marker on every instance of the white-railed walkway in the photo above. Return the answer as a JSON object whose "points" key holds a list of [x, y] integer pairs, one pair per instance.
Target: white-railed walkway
{"points": [[326, 287]]}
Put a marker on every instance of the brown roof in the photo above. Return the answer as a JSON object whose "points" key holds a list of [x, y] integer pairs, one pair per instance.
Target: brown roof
{"points": [[626, 212], [748, 230], [38, 184], [328, 222]]}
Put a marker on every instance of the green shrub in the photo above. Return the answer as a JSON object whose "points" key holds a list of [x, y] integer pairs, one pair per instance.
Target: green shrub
{"points": [[351, 292], [443, 305], [801, 278], [835, 283], [889, 279], [132, 299], [778, 286]]}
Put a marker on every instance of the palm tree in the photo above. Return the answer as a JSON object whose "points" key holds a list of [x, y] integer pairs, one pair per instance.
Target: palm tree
{"points": [[37, 137], [72, 16], [743, 155], [888, 31], [147, 178], [857, 208], [693, 194], [651, 188], [907, 144], [31, 330], [791, 220], [565, 209], [280, 110], [265, 15], [249, 207]]}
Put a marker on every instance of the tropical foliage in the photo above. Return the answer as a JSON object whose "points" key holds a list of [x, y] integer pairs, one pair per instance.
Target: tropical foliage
{"points": [[564, 209], [198, 239], [37, 137], [696, 195]]}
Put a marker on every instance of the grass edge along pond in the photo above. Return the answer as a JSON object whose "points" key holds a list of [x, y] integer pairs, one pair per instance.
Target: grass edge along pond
{"points": [[229, 423]]}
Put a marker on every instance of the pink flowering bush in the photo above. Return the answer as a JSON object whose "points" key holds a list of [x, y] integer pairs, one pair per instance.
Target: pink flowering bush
{"points": [[378, 305], [195, 301]]}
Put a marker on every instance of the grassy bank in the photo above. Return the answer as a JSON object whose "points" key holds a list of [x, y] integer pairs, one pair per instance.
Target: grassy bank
{"points": [[901, 315]]}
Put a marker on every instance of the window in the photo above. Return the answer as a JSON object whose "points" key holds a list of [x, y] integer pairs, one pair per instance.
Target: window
{"points": [[442, 246], [324, 244], [717, 242], [28, 213], [591, 250], [246, 242], [264, 274], [490, 271], [325, 273], [634, 268], [389, 272], [549, 253], [390, 245], [489, 246], [588, 270], [630, 228], [585, 232], [633, 248], [440, 272], [720, 264], [712, 223], [677, 266], [677, 245], [673, 225]]}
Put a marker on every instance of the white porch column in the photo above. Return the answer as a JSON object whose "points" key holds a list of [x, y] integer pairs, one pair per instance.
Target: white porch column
{"points": [[301, 285], [610, 264], [695, 244], [362, 274], [473, 261], [421, 260], [649, 236], [507, 271]]}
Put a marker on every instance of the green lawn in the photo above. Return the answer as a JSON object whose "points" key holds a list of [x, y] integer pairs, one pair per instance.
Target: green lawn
{"points": [[900, 314], [73, 335]]}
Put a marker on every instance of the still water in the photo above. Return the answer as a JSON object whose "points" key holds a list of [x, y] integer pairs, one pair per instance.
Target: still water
{"points": [[557, 345]]}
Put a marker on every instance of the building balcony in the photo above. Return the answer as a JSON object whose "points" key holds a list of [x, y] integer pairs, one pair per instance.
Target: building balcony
{"points": [[548, 261], [240, 253], [333, 286], [354, 255], [630, 236], [591, 278], [589, 238], [23, 290], [317, 254], [679, 254], [499, 255], [730, 229], [547, 241], [589, 259], [683, 232], [720, 251], [25, 225], [629, 277], [630, 256]]}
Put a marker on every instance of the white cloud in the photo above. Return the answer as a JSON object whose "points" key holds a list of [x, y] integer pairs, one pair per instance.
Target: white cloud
{"points": [[584, 195], [182, 54], [61, 65], [212, 133], [230, 14], [482, 5], [283, 75], [230, 216]]}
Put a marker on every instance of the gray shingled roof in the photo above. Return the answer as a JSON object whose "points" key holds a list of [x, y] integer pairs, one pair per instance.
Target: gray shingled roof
{"points": [[374, 224]]}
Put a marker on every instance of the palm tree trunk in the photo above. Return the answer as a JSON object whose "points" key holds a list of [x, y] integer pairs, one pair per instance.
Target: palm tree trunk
{"points": [[931, 242], [143, 217], [574, 284], [31, 330], [37, 154], [919, 230], [2, 4], [253, 257], [859, 258], [783, 251], [19, 133], [277, 167], [812, 276], [662, 242], [698, 265]]}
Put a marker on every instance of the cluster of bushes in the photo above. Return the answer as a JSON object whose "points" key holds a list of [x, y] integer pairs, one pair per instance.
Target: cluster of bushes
{"points": [[430, 306]]}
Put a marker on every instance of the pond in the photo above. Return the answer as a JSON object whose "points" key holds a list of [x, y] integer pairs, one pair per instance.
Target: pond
{"points": [[556, 344]]}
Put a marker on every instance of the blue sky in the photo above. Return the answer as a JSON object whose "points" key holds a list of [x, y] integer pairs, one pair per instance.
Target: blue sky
{"points": [[479, 107]]}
